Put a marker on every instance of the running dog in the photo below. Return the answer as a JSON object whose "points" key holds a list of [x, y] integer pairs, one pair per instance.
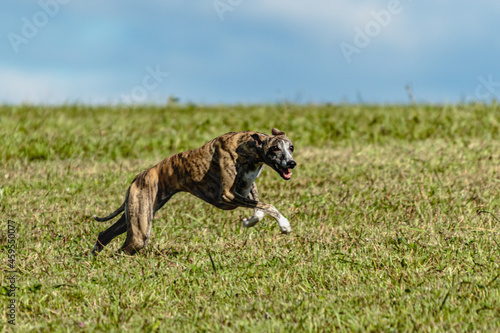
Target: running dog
{"points": [[221, 172]]}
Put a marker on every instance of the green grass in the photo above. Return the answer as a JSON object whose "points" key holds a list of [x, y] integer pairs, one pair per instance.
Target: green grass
{"points": [[394, 210]]}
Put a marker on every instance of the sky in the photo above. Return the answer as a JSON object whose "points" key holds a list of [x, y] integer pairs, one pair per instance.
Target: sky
{"points": [[249, 51]]}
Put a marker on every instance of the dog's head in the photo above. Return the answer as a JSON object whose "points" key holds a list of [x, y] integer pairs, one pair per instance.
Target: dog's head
{"points": [[277, 150]]}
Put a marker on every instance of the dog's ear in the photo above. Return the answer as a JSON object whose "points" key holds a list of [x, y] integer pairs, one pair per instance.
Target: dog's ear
{"points": [[258, 140], [276, 131]]}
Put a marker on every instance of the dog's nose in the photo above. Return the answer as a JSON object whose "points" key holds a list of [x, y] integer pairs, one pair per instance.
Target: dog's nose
{"points": [[291, 164]]}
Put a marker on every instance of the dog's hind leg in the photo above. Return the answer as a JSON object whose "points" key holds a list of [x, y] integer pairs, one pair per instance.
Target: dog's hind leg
{"points": [[139, 212], [258, 214], [118, 228]]}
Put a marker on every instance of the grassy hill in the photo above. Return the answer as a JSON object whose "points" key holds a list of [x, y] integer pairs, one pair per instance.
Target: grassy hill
{"points": [[394, 210]]}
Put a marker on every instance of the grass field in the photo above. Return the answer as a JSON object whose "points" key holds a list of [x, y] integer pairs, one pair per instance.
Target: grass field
{"points": [[395, 214]]}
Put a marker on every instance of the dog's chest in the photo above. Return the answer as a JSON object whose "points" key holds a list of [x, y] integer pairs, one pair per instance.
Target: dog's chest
{"points": [[247, 179]]}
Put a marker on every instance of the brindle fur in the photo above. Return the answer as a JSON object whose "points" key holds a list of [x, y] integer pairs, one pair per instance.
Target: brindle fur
{"points": [[221, 172]]}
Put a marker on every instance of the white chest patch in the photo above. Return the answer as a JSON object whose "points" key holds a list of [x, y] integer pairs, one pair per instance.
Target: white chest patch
{"points": [[249, 178]]}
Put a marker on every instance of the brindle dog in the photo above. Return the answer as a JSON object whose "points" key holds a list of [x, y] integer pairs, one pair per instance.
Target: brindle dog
{"points": [[221, 172]]}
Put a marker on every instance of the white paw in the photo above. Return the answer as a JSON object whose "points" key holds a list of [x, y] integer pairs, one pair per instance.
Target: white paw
{"points": [[284, 225], [286, 230]]}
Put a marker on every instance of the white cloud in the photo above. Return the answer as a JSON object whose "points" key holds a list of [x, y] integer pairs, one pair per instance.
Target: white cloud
{"points": [[18, 86], [324, 21], [419, 25], [317, 14]]}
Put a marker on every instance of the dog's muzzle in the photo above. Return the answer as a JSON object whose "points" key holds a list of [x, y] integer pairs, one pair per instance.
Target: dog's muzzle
{"points": [[284, 168]]}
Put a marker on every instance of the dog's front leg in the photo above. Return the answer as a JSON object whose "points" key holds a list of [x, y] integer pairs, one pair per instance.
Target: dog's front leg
{"points": [[282, 222], [270, 210], [238, 200], [258, 214]]}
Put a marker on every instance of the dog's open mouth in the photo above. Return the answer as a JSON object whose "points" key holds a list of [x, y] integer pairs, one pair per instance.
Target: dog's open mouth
{"points": [[285, 173]]}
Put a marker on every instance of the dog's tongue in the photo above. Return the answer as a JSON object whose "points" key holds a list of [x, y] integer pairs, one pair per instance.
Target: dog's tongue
{"points": [[286, 173]]}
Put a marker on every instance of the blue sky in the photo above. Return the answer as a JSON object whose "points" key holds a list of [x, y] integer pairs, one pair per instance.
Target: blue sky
{"points": [[249, 51]]}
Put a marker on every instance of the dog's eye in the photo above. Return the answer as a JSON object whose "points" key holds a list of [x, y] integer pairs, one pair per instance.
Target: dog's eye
{"points": [[291, 149], [275, 148]]}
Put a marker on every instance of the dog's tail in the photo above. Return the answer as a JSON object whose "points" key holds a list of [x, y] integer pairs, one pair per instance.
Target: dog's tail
{"points": [[110, 216]]}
